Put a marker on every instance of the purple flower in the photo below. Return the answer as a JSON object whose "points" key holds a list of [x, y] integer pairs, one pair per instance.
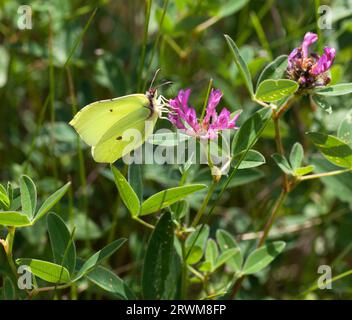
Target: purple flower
{"points": [[183, 117], [310, 70], [324, 62], [309, 38]]}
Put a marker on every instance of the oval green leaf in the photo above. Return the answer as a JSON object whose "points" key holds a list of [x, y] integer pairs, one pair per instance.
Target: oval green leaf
{"points": [[47, 271], [167, 197], [262, 257], [333, 149], [127, 194], [241, 64], [250, 131], [158, 258], [226, 241], [335, 90], [62, 245], [110, 282], [28, 196], [99, 256], [51, 201], [252, 159], [14, 218], [274, 90], [274, 70]]}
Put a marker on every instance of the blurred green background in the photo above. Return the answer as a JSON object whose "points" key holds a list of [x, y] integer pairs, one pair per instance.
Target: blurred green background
{"points": [[78, 52]]}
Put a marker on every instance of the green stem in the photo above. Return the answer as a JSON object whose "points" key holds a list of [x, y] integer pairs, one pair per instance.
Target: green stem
{"points": [[280, 149], [146, 224], [274, 212], [206, 99], [184, 275], [9, 241], [322, 175], [204, 204], [338, 277]]}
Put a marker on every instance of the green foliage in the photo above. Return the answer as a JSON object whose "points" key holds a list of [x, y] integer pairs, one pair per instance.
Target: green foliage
{"points": [[262, 257], [94, 244], [158, 259], [273, 90]]}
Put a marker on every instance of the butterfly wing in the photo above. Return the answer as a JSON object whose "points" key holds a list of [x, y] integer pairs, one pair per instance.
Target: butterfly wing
{"points": [[94, 120], [123, 137]]}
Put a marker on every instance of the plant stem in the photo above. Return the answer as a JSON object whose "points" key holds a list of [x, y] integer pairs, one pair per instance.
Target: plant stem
{"points": [[9, 241], [322, 175], [280, 149], [35, 291], [206, 99], [146, 224], [184, 274], [274, 212], [204, 204]]}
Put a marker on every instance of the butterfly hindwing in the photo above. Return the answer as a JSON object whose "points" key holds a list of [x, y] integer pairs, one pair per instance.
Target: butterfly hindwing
{"points": [[121, 142]]}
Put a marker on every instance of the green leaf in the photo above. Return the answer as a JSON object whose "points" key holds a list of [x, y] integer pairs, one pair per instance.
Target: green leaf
{"points": [[195, 255], [62, 244], [320, 102], [158, 259], [47, 271], [340, 185], [250, 131], [225, 256], [274, 90], [211, 252], [335, 90], [14, 218], [51, 201], [167, 197], [303, 170], [99, 256], [28, 196], [4, 198], [262, 257], [226, 241], [196, 243], [282, 163], [110, 282], [296, 156], [344, 131], [252, 159], [274, 70], [241, 65], [333, 149], [135, 179], [127, 194], [9, 289]]}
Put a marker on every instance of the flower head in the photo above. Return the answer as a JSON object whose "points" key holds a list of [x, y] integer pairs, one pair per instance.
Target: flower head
{"points": [[310, 70], [184, 117]]}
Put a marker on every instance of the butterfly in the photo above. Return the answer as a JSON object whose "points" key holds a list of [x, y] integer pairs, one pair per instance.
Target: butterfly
{"points": [[106, 125]]}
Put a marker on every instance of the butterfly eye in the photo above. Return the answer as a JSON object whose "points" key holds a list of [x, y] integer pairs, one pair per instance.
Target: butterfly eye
{"points": [[110, 110], [119, 138]]}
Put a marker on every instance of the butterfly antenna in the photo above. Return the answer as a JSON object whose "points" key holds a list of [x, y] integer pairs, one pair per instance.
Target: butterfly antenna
{"points": [[163, 84], [154, 77]]}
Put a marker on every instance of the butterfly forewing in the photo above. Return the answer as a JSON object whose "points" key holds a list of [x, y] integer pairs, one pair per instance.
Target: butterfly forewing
{"points": [[93, 121]]}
